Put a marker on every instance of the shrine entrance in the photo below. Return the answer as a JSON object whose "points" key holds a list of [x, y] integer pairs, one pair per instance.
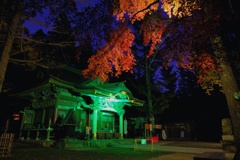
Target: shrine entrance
{"points": [[88, 109]]}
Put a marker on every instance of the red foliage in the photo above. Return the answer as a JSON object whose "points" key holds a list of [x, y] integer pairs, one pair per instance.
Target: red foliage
{"points": [[152, 30], [113, 59], [116, 57], [136, 9], [206, 67]]}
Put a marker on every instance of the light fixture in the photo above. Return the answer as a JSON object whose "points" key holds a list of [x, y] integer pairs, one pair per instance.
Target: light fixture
{"points": [[237, 95]]}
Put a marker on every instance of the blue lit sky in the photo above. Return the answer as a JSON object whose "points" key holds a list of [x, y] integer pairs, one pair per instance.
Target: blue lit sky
{"points": [[39, 22]]}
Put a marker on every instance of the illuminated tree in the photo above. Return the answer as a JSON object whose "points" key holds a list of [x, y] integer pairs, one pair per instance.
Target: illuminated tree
{"points": [[116, 60], [193, 36], [102, 65], [128, 12]]}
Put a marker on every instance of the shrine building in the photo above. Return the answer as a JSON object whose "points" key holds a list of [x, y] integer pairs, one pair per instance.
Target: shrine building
{"points": [[66, 104]]}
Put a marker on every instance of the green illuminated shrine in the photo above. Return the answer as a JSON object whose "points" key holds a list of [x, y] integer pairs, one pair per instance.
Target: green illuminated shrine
{"points": [[66, 104]]}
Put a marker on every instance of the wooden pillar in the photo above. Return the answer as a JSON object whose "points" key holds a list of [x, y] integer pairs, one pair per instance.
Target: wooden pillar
{"points": [[121, 123], [28, 135], [94, 126], [37, 135], [55, 115], [43, 116], [113, 123], [49, 129]]}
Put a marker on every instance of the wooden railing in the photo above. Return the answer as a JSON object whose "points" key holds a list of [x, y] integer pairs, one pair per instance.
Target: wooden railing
{"points": [[6, 142]]}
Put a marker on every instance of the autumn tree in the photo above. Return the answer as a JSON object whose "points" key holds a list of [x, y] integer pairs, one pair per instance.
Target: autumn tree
{"points": [[156, 83], [195, 40], [117, 56], [209, 57]]}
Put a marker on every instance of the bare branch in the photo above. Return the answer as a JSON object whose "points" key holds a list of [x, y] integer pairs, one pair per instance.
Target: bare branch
{"points": [[24, 60], [60, 44]]}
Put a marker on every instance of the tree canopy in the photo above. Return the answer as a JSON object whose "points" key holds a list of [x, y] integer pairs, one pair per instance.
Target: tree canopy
{"points": [[196, 34]]}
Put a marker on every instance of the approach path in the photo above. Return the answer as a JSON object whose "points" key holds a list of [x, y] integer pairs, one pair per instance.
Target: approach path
{"points": [[185, 150], [180, 146]]}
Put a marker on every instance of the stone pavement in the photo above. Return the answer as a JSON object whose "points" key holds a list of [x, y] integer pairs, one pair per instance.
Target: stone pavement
{"points": [[184, 150], [178, 146]]}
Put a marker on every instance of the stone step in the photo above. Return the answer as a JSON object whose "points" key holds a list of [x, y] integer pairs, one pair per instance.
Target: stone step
{"points": [[210, 156]]}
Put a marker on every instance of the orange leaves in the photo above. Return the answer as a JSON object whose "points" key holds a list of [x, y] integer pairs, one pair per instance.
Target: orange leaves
{"points": [[170, 7], [135, 9], [179, 8], [152, 30], [204, 64], [207, 72], [185, 61], [116, 57]]}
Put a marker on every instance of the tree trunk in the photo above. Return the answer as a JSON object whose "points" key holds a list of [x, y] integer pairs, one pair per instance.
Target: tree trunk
{"points": [[230, 86], [9, 43], [149, 97]]}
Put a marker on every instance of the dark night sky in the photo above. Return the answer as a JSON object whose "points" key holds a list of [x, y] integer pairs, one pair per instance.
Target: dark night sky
{"points": [[40, 19]]}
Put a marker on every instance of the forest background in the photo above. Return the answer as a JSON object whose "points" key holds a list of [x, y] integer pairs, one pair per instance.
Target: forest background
{"points": [[169, 49]]}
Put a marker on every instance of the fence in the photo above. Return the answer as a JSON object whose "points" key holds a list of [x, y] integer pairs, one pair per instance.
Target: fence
{"points": [[181, 130], [6, 142]]}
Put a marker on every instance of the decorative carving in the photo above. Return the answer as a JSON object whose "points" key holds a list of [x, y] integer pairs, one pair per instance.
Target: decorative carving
{"points": [[42, 104], [66, 102], [112, 106], [42, 94]]}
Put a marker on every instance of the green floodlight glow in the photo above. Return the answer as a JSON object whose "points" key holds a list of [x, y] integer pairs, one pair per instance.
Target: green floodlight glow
{"points": [[109, 109]]}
